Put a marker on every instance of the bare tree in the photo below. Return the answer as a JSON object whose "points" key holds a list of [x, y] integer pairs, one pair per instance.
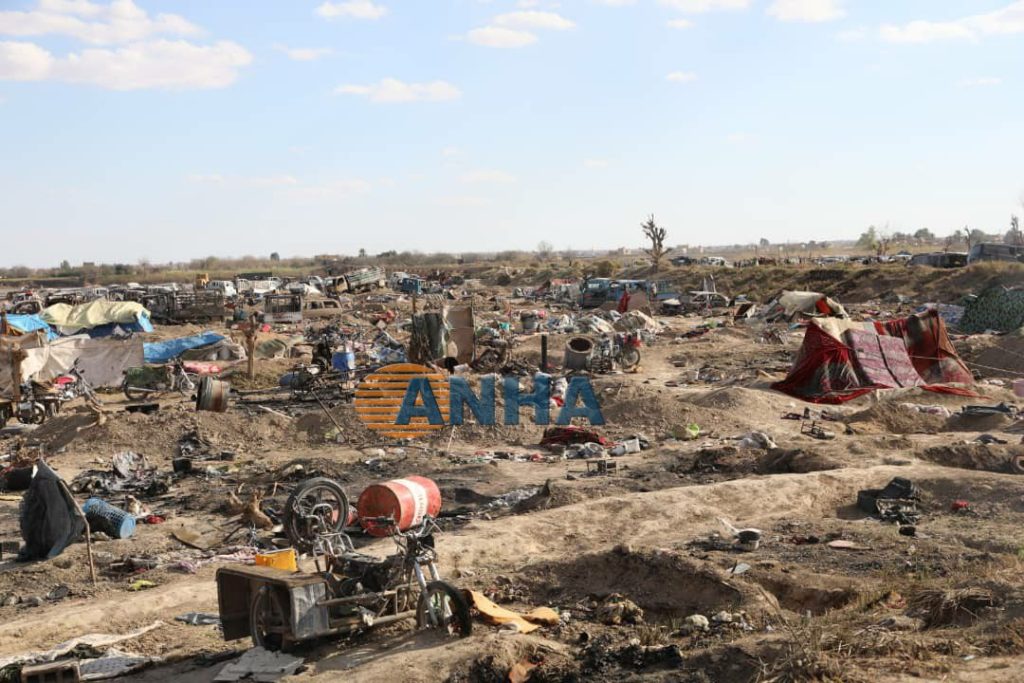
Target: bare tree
{"points": [[545, 249], [656, 235], [1013, 235], [967, 236]]}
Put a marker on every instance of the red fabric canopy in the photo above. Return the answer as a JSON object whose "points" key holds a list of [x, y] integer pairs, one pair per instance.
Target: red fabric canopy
{"points": [[826, 370]]}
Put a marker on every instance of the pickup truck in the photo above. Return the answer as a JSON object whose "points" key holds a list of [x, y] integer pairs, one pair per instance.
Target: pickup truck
{"points": [[361, 280]]}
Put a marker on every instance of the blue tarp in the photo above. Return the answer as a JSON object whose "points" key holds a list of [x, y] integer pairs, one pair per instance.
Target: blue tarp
{"points": [[161, 352], [142, 324], [30, 323]]}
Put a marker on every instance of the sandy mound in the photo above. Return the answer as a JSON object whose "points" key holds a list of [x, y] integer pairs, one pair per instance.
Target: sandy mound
{"points": [[1004, 357], [971, 456], [897, 419], [663, 583]]}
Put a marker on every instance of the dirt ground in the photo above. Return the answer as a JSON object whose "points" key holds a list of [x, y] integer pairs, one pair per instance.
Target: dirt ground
{"points": [[830, 593]]}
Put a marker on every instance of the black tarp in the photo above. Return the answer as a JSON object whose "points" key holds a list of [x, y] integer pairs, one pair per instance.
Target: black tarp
{"points": [[49, 518]]}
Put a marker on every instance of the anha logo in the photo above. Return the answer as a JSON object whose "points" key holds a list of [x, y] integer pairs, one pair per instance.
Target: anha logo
{"points": [[409, 400]]}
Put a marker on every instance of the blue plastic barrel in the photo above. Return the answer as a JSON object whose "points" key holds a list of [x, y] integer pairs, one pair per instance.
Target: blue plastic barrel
{"points": [[102, 516], [344, 361]]}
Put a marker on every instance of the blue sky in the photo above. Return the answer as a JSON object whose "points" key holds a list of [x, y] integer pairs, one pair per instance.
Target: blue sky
{"points": [[175, 129]]}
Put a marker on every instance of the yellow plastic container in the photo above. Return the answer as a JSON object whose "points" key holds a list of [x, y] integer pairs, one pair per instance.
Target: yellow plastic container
{"points": [[279, 559]]}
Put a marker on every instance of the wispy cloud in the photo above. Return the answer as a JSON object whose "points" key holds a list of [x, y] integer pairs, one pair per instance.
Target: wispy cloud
{"points": [[352, 9], [806, 11], [701, 6], [496, 36], [517, 29], [303, 54], [681, 77], [161, 64], [533, 19], [394, 91], [120, 21], [1005, 21], [679, 24], [596, 163]]}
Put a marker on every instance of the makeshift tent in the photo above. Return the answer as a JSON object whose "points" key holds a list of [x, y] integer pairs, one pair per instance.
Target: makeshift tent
{"points": [[23, 324], [996, 308], [102, 361], [161, 352], [790, 306], [98, 318], [840, 360]]}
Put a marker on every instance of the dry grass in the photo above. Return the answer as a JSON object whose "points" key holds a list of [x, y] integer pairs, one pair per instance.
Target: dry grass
{"points": [[939, 607]]}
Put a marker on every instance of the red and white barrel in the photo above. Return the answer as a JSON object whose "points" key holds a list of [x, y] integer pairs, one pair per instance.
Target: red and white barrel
{"points": [[407, 501]]}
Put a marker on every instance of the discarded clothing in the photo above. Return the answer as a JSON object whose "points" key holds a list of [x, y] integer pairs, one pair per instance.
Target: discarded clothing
{"points": [[49, 517], [897, 502], [571, 434], [525, 623]]}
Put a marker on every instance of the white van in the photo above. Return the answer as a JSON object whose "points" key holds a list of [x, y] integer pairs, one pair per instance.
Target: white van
{"points": [[225, 287]]}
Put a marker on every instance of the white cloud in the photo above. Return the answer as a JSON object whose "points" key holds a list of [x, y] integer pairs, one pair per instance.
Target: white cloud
{"points": [[807, 11], [449, 152], [515, 29], [533, 20], [616, 3], [681, 77], [596, 163], [488, 176], [121, 21], [352, 9], [980, 82], [495, 36], [925, 32], [1005, 21], [394, 91], [679, 23], [134, 55], [24, 62], [164, 64], [700, 6], [303, 54]]}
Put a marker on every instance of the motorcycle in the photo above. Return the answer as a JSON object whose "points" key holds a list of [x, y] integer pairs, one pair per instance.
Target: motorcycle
{"points": [[73, 384], [35, 405], [353, 591], [148, 381], [620, 349]]}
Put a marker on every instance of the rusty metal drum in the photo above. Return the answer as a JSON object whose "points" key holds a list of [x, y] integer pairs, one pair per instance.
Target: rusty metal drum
{"points": [[407, 501]]}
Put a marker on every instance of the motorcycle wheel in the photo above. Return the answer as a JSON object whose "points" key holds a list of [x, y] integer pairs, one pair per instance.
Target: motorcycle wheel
{"points": [[443, 608], [133, 393], [301, 525], [36, 417], [629, 358]]}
